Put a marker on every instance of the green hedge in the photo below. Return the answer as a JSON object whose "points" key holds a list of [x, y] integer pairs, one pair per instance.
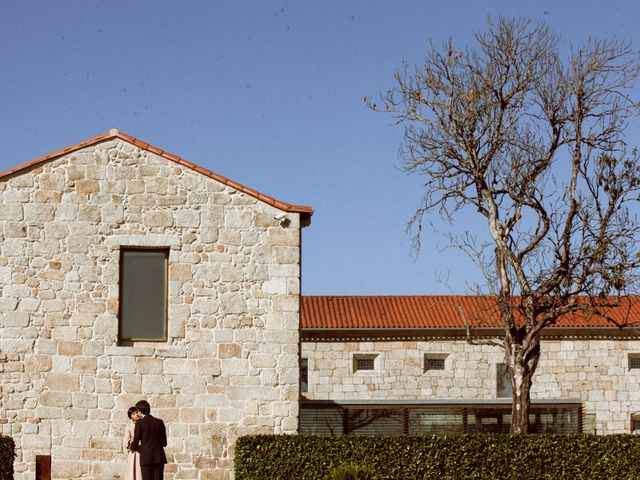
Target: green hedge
{"points": [[441, 457], [7, 454]]}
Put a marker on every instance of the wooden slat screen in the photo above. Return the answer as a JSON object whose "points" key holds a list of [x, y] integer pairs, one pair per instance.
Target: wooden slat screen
{"points": [[371, 421], [321, 420]]}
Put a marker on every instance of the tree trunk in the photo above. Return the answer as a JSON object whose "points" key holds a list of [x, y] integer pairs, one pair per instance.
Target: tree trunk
{"points": [[522, 355], [521, 381]]}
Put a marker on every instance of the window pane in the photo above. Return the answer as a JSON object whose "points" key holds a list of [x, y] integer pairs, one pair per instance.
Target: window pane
{"points": [[364, 363], [554, 420], [376, 421], [589, 423], [425, 420], [503, 387], [143, 295], [321, 420], [434, 363], [485, 420], [434, 420], [304, 375], [634, 361]]}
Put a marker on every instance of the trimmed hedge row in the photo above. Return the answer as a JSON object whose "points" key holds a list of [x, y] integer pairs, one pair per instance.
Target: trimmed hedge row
{"points": [[441, 457], [7, 454]]}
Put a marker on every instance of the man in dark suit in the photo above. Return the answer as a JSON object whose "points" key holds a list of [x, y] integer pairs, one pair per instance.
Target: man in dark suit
{"points": [[149, 439]]}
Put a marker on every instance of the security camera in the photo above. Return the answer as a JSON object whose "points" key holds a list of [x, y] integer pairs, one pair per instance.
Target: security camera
{"points": [[280, 216]]}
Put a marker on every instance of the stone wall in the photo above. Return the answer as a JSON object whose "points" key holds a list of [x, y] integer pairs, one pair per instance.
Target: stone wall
{"points": [[230, 365], [595, 371]]}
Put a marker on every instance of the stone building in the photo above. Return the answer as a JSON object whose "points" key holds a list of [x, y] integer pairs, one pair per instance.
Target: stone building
{"points": [[127, 272], [403, 365]]}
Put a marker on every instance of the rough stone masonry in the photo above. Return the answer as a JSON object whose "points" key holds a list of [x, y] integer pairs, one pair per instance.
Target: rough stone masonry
{"points": [[230, 364]]}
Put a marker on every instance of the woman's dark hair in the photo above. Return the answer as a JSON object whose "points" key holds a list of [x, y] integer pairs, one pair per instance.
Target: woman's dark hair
{"points": [[131, 411], [143, 407]]}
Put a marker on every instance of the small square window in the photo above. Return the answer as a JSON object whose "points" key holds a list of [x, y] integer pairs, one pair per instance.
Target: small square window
{"points": [[434, 361], [364, 362], [434, 364], [304, 375], [634, 361]]}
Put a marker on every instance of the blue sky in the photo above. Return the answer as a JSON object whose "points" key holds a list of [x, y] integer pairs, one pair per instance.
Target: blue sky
{"points": [[269, 94]]}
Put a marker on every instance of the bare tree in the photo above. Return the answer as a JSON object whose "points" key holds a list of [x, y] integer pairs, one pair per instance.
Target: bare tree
{"points": [[534, 143]]}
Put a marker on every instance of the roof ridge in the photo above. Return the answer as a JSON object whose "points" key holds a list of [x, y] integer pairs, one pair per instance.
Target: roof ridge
{"points": [[305, 210]]}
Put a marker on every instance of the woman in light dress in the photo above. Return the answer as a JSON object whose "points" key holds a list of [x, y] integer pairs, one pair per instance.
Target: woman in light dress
{"points": [[133, 459]]}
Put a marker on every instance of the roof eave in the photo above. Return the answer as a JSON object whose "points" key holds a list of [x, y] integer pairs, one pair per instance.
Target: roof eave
{"points": [[305, 211], [481, 332]]}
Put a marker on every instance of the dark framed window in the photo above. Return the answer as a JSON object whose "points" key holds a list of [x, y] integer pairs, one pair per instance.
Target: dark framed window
{"points": [[435, 420], [634, 361], [364, 362], [635, 423], [304, 375], [143, 294], [316, 416], [434, 361], [504, 388]]}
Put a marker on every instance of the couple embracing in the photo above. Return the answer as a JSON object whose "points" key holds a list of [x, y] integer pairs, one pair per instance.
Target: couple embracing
{"points": [[145, 438]]}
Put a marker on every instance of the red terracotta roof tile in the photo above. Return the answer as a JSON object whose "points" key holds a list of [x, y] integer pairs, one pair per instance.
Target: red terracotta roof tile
{"points": [[304, 210], [438, 311], [202, 170], [155, 150], [171, 156], [187, 163], [251, 191], [233, 184]]}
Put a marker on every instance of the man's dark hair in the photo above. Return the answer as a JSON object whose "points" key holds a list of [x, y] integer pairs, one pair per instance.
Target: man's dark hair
{"points": [[131, 411], [143, 407]]}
